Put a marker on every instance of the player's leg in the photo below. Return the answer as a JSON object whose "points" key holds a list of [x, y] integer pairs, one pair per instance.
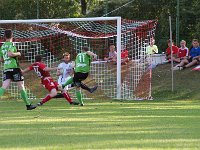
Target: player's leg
{"points": [[23, 92], [52, 94], [51, 86], [65, 94], [85, 87], [18, 77], [69, 81], [59, 82], [5, 85], [68, 98], [79, 95], [24, 95], [7, 76], [78, 77]]}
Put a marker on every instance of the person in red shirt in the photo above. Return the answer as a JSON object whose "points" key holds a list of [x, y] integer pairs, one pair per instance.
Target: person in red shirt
{"points": [[42, 71], [174, 52], [124, 56], [183, 51]]}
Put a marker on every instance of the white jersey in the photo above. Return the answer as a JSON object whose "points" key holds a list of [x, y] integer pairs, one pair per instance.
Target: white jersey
{"points": [[66, 69]]}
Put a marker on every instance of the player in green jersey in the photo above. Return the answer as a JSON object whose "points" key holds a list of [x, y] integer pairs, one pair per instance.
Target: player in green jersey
{"points": [[12, 71], [82, 69]]}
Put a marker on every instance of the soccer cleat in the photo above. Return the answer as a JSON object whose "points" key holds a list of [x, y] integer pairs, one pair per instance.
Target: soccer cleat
{"points": [[30, 107], [93, 89], [176, 68], [74, 103], [39, 104], [82, 104], [181, 68]]}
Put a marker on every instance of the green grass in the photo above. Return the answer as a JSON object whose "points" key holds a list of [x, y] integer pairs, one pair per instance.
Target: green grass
{"points": [[101, 125], [186, 84], [170, 121]]}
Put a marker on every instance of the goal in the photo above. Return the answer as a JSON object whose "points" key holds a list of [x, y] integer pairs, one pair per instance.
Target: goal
{"points": [[52, 37]]}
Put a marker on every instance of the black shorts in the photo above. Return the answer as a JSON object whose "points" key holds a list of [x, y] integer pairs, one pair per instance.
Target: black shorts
{"points": [[78, 77], [14, 74]]}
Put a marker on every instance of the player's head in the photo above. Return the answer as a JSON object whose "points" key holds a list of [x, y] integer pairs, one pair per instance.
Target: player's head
{"points": [[66, 56], [112, 48], [183, 43], [38, 58], [8, 34], [85, 49], [195, 43]]}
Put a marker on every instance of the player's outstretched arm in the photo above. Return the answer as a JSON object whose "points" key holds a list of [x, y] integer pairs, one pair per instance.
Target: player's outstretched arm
{"points": [[11, 54], [50, 69], [92, 54], [25, 70]]}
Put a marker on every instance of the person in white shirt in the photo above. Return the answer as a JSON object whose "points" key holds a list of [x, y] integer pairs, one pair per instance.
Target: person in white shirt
{"points": [[65, 69], [112, 55], [64, 72]]}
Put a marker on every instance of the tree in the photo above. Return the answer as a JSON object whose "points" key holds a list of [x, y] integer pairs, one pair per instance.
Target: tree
{"points": [[158, 9], [83, 7]]}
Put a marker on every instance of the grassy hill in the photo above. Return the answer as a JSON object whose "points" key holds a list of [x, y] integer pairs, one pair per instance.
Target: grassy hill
{"points": [[186, 84]]}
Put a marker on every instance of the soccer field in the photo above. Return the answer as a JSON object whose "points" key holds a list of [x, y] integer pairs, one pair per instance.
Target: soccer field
{"points": [[101, 125]]}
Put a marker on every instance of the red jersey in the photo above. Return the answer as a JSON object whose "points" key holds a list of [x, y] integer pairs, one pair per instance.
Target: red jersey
{"points": [[174, 50], [183, 52], [38, 67], [45, 76], [124, 54]]}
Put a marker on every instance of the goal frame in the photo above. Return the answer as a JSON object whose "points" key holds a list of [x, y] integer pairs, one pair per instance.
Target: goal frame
{"points": [[117, 19]]}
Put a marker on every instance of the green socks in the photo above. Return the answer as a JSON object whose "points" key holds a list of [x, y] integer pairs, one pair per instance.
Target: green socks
{"points": [[25, 97], [68, 82], [79, 96], [2, 91]]}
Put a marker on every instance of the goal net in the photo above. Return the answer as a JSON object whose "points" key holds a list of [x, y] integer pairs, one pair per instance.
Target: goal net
{"points": [[53, 37]]}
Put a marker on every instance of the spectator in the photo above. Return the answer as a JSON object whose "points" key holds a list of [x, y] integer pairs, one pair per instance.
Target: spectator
{"points": [[151, 49], [124, 56], [192, 59], [183, 52], [174, 52], [112, 55]]}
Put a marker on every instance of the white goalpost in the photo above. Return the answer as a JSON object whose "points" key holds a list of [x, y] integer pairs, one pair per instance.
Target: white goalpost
{"points": [[41, 36]]}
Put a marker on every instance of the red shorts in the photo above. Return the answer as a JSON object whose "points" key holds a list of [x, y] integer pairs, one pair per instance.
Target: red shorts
{"points": [[49, 84]]}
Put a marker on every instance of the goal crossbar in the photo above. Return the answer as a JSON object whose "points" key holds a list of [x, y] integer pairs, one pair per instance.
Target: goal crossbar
{"points": [[60, 20]]}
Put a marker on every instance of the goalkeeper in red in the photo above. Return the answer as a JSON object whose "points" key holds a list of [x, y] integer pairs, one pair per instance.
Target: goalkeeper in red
{"points": [[42, 71], [81, 72], [12, 71]]}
